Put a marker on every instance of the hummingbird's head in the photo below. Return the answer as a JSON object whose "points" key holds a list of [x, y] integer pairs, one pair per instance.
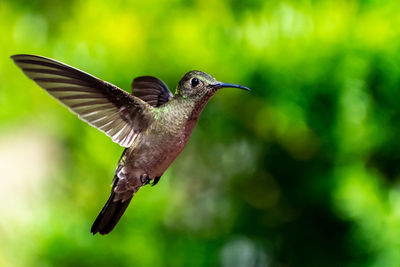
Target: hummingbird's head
{"points": [[197, 84]]}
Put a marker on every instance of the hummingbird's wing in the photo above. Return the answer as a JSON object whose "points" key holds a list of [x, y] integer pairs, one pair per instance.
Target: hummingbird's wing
{"points": [[151, 90], [103, 105]]}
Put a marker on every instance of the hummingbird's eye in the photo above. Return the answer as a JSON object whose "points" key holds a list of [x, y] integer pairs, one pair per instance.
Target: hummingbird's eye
{"points": [[194, 82]]}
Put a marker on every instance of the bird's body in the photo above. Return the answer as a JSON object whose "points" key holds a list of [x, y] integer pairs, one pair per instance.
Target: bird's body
{"points": [[156, 148], [164, 139], [167, 136], [152, 124]]}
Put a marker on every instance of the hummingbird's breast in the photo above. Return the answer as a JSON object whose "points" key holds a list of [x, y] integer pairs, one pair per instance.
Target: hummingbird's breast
{"points": [[157, 147]]}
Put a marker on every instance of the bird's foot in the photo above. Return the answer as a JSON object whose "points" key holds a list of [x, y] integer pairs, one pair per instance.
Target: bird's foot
{"points": [[155, 181], [144, 178]]}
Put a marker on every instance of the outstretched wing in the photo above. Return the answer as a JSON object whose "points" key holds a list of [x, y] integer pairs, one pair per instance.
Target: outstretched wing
{"points": [[105, 106], [151, 90]]}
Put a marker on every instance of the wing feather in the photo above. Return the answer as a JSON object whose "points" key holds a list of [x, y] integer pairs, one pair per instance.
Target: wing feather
{"points": [[105, 106], [151, 90]]}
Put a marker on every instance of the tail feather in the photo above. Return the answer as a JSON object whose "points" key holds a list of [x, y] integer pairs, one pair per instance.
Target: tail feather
{"points": [[110, 215]]}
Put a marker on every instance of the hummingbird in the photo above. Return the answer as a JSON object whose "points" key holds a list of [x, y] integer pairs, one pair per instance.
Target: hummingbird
{"points": [[152, 124]]}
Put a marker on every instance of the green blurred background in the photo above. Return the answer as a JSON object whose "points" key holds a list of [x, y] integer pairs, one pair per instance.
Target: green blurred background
{"points": [[302, 171]]}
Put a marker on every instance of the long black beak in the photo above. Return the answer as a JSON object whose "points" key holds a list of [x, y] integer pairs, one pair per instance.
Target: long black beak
{"points": [[223, 85]]}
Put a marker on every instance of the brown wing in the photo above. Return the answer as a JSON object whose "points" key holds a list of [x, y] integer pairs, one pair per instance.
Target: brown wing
{"points": [[105, 106], [151, 90]]}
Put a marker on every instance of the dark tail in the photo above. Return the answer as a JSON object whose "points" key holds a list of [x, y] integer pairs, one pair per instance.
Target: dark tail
{"points": [[109, 215]]}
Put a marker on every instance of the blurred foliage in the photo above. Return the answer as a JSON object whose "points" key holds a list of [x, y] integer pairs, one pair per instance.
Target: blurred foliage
{"points": [[302, 171]]}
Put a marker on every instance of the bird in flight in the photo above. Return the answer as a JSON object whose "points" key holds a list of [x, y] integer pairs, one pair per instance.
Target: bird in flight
{"points": [[152, 124]]}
